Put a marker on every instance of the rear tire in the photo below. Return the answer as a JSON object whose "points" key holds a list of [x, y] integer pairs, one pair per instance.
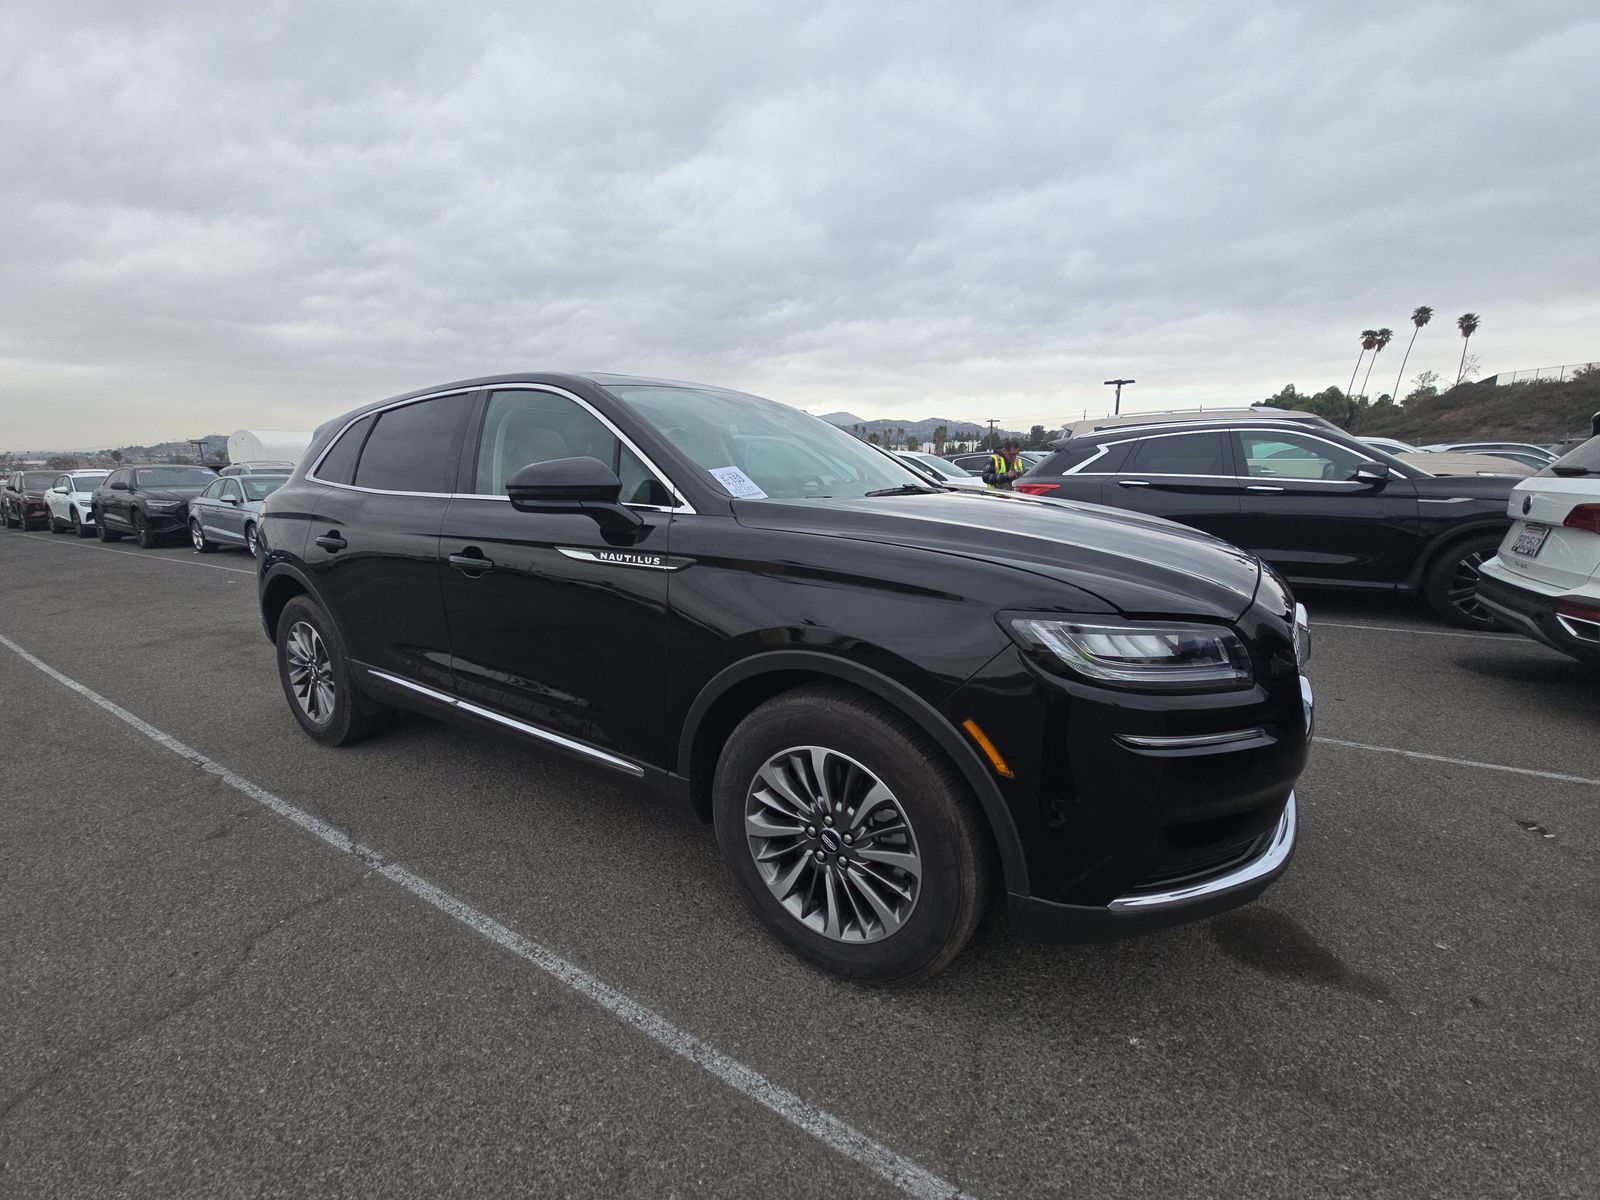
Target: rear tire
{"points": [[827, 909], [314, 669], [1451, 582], [252, 542], [197, 535]]}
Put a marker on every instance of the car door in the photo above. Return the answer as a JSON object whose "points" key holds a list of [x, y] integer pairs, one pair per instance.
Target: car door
{"points": [[203, 509], [116, 499], [227, 515], [372, 549], [1184, 476], [59, 499], [553, 622], [1304, 513]]}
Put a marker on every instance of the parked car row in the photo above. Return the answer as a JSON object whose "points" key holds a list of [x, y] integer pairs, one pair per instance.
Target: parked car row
{"points": [[149, 503]]}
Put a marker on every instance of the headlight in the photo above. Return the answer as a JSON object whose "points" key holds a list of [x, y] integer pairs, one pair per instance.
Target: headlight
{"points": [[1302, 636], [1144, 655]]}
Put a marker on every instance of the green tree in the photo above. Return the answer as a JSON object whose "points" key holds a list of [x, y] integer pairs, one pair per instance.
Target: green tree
{"points": [[941, 435], [116, 456], [912, 443], [1425, 384], [1420, 316], [874, 439], [182, 459], [1468, 324], [1383, 338], [60, 462], [1037, 438], [1369, 339], [1287, 397]]}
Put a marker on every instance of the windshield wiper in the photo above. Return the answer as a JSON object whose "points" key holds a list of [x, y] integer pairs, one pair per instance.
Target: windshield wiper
{"points": [[906, 489]]}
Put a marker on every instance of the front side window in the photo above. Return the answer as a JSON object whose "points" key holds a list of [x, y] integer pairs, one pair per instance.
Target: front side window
{"points": [[410, 447], [1181, 454], [1269, 454], [230, 490], [259, 487], [214, 491], [758, 449], [521, 428]]}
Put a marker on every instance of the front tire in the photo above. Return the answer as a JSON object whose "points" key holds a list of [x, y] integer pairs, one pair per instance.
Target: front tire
{"points": [[79, 528], [852, 838], [142, 533], [1451, 583], [317, 680]]}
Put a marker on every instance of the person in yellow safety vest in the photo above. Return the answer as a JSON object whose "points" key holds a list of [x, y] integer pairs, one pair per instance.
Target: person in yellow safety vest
{"points": [[1005, 466]]}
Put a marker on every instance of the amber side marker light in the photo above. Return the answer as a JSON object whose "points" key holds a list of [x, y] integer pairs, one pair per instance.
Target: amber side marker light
{"points": [[995, 760]]}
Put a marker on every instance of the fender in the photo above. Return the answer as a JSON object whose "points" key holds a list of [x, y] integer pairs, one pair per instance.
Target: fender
{"points": [[904, 701], [280, 570], [1484, 524]]}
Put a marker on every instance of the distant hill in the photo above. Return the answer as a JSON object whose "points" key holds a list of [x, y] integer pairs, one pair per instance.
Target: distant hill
{"points": [[921, 430], [1541, 412]]}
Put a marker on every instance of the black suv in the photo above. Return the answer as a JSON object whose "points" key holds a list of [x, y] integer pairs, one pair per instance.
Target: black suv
{"points": [[151, 503], [882, 692], [1310, 500], [22, 502]]}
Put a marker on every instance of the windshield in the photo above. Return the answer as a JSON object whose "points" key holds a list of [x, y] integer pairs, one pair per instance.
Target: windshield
{"points": [[36, 481], [759, 449], [86, 483], [173, 476], [938, 466], [259, 487], [1584, 460]]}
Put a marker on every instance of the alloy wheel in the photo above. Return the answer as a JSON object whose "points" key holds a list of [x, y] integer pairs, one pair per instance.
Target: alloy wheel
{"points": [[250, 541], [310, 671], [1462, 591], [832, 844], [197, 535]]}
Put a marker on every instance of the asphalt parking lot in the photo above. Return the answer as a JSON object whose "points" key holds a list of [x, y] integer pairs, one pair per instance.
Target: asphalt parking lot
{"points": [[204, 998]]}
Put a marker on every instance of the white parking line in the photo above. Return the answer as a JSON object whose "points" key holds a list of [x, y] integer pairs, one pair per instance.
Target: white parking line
{"points": [[1461, 762], [1493, 637], [828, 1129], [79, 544]]}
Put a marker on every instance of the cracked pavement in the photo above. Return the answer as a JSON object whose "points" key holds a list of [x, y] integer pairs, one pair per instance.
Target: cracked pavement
{"points": [[202, 1000]]}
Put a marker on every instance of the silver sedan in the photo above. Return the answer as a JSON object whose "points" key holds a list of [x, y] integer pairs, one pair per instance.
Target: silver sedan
{"points": [[227, 512]]}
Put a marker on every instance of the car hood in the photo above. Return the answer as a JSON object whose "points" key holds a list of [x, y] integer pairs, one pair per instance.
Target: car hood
{"points": [[1135, 563], [1453, 463]]}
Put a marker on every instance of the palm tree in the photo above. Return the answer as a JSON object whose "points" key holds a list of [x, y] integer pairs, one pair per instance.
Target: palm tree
{"points": [[1420, 316], [1468, 324], [1369, 339], [940, 435], [1385, 336]]}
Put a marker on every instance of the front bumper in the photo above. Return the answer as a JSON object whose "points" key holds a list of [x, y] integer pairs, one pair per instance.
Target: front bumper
{"points": [[1145, 910], [1540, 616], [167, 522]]}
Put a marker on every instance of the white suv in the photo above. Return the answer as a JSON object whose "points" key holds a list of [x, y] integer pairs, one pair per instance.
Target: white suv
{"points": [[1545, 581]]}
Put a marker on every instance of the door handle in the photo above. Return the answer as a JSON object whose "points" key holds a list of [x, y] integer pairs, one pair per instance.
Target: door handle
{"points": [[473, 564], [332, 542], [1133, 483], [1262, 487]]}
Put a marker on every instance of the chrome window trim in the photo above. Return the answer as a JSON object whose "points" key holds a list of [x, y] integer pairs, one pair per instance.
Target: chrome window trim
{"points": [[683, 505], [1254, 427], [534, 731]]}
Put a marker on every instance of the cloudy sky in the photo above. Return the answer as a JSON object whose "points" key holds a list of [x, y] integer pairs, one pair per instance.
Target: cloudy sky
{"points": [[230, 216]]}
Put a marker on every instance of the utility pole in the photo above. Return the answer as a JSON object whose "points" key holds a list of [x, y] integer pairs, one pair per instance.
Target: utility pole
{"points": [[991, 433], [1119, 382]]}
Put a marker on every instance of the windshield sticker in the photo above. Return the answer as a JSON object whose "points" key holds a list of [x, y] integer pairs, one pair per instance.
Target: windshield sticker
{"points": [[739, 485]]}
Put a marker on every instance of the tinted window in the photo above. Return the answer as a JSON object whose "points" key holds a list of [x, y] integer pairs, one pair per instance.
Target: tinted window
{"points": [[521, 428], [409, 449], [36, 481], [160, 477], [215, 490], [1586, 457], [230, 490], [85, 483], [1269, 454], [339, 464], [259, 487], [1181, 454]]}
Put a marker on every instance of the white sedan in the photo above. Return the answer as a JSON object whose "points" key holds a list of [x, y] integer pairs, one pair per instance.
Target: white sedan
{"points": [[68, 499], [1545, 582], [941, 469]]}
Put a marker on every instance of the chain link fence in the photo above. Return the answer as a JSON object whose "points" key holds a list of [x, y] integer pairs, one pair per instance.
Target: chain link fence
{"points": [[1557, 373]]}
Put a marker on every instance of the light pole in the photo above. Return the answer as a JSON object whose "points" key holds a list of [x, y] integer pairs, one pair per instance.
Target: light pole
{"points": [[1118, 383]]}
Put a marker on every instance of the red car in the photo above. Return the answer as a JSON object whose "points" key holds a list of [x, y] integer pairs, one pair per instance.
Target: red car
{"points": [[22, 504]]}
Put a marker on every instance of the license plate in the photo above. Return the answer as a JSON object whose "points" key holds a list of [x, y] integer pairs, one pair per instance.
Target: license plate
{"points": [[1530, 540]]}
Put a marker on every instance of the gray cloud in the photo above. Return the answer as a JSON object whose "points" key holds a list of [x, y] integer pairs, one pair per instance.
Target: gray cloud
{"points": [[262, 217]]}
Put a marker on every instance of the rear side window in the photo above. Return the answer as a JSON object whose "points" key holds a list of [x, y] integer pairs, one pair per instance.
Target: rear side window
{"points": [[339, 464], [1182, 454], [412, 448]]}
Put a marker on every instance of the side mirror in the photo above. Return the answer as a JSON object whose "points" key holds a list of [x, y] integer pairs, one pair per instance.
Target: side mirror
{"points": [[573, 485], [119, 486], [1373, 473]]}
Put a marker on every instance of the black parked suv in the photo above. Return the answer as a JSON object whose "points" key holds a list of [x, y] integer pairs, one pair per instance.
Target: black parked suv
{"points": [[1321, 507], [22, 502], [151, 503], [883, 693]]}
